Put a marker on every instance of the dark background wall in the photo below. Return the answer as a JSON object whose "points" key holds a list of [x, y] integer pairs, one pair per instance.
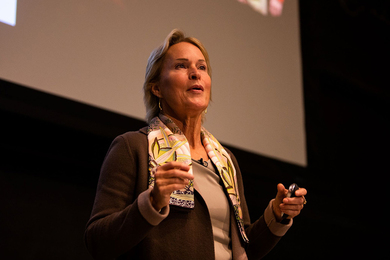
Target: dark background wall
{"points": [[52, 149]]}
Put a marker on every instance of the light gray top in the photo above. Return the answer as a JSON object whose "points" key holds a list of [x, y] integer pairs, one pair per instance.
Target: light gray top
{"points": [[209, 187]]}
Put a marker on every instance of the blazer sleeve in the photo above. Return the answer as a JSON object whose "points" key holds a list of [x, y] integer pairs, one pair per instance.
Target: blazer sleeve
{"points": [[261, 238], [121, 216]]}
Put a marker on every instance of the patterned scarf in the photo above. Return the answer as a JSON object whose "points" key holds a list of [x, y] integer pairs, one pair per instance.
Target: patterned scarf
{"points": [[167, 143]]}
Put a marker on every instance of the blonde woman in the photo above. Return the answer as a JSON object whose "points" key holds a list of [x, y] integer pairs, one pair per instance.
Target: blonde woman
{"points": [[170, 190]]}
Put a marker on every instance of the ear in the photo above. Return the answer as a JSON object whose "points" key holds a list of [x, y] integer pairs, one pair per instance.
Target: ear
{"points": [[156, 90]]}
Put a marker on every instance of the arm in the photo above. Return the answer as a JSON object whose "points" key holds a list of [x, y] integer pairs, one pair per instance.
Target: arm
{"points": [[122, 214]]}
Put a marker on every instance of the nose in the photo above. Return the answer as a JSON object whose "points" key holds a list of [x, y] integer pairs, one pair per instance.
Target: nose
{"points": [[194, 74]]}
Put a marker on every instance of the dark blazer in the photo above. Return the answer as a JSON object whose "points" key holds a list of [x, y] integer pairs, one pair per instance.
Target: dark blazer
{"points": [[120, 228]]}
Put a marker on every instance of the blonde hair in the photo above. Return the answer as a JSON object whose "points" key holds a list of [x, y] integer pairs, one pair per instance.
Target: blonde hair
{"points": [[154, 67]]}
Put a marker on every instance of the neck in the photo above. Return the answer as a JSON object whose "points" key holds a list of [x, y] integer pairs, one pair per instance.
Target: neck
{"points": [[191, 128]]}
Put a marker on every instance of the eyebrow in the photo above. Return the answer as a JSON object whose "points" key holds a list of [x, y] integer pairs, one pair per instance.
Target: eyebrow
{"points": [[184, 59]]}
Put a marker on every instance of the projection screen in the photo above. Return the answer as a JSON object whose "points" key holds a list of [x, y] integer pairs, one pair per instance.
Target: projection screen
{"points": [[95, 52]]}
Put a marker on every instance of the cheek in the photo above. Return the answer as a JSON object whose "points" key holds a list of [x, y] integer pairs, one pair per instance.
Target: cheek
{"points": [[167, 86], [208, 86], [174, 81], [170, 91]]}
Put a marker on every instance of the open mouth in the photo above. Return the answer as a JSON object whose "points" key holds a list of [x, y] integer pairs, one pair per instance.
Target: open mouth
{"points": [[197, 87]]}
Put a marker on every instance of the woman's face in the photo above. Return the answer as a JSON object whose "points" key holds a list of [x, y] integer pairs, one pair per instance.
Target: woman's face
{"points": [[185, 85]]}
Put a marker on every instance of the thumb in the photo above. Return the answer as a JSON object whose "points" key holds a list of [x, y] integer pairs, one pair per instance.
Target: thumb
{"points": [[278, 200], [281, 193]]}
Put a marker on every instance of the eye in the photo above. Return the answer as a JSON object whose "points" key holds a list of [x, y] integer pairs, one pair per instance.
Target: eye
{"points": [[180, 66], [202, 67]]}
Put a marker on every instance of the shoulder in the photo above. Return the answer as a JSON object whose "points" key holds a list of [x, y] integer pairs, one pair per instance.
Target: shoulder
{"points": [[134, 138], [130, 142], [141, 133]]}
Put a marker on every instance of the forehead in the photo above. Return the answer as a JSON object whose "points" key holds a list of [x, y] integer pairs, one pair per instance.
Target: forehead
{"points": [[184, 50]]}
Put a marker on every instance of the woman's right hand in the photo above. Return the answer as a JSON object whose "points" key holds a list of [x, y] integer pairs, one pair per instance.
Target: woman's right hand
{"points": [[168, 178]]}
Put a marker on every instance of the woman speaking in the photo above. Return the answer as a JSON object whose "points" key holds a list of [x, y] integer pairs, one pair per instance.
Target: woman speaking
{"points": [[171, 190]]}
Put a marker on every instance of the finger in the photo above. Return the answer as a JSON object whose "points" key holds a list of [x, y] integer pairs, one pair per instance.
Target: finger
{"points": [[292, 211], [167, 190], [173, 173], [294, 200], [301, 192], [291, 207], [166, 186], [175, 165], [170, 181], [175, 169], [281, 191]]}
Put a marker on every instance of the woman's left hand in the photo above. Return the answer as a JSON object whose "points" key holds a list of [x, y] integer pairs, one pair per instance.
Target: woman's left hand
{"points": [[290, 206]]}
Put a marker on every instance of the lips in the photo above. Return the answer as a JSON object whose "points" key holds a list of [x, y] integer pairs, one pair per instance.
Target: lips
{"points": [[196, 88]]}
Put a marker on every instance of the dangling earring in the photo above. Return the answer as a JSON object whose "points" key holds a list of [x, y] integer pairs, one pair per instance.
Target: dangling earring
{"points": [[159, 105], [205, 111]]}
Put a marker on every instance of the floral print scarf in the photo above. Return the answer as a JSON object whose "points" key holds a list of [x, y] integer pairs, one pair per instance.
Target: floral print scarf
{"points": [[167, 143]]}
